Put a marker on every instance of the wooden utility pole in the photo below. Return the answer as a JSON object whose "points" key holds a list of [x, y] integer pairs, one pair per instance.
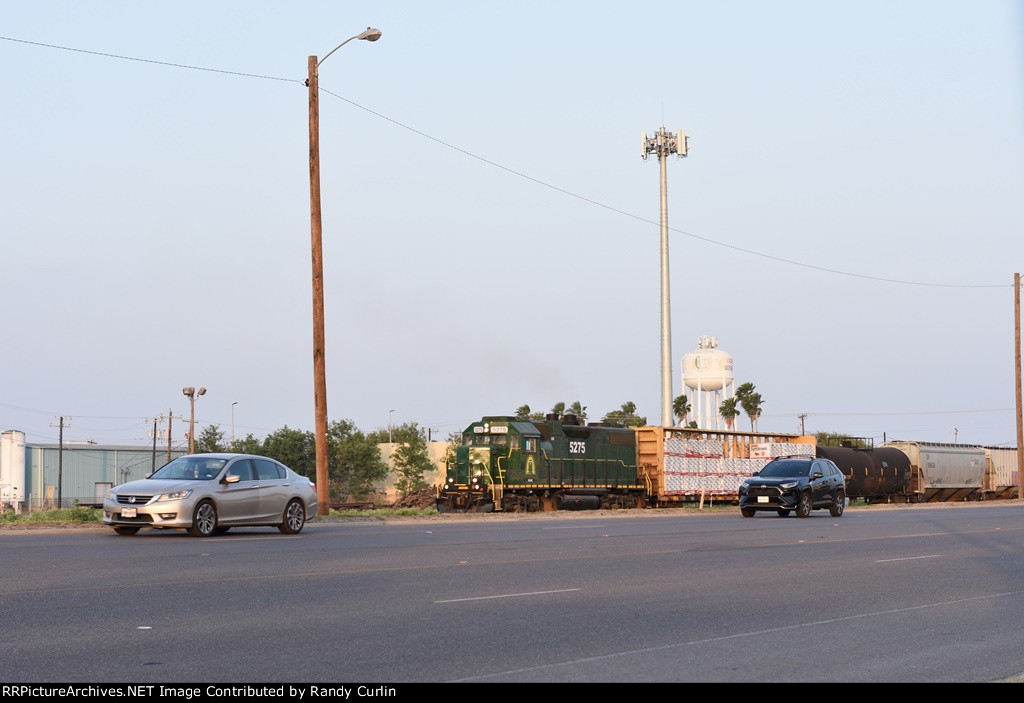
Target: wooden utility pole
{"points": [[1020, 423], [60, 459], [153, 467], [316, 230]]}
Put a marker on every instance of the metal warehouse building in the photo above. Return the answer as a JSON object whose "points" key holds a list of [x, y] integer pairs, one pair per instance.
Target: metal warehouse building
{"points": [[33, 476]]}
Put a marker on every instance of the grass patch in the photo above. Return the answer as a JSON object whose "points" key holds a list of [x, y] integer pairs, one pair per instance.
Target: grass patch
{"points": [[78, 515]]}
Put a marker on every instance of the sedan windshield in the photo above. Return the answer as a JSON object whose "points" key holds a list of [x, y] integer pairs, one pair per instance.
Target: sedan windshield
{"points": [[191, 468], [784, 469]]}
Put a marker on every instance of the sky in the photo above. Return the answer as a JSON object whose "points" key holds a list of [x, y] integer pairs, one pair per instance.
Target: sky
{"points": [[847, 223]]}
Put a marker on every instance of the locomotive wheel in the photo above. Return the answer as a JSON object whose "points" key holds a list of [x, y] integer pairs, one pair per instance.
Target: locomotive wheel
{"points": [[783, 513], [803, 508], [836, 509]]}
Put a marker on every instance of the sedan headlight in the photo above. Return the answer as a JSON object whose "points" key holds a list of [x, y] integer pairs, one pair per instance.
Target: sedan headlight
{"points": [[111, 495], [177, 495]]}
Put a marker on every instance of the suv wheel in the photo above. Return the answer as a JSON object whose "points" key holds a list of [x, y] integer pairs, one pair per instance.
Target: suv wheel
{"points": [[838, 504], [803, 508], [747, 512]]}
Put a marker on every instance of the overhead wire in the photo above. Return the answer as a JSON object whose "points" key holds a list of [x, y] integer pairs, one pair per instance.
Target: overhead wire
{"points": [[520, 174]]}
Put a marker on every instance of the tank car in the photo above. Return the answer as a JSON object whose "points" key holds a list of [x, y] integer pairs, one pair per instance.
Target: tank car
{"points": [[512, 465], [875, 474]]}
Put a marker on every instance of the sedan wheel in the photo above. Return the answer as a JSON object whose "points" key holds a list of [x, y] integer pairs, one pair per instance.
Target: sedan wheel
{"points": [[204, 520], [803, 508], [125, 531], [294, 518], [837, 506]]}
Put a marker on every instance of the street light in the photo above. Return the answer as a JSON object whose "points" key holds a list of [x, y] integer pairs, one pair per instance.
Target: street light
{"points": [[316, 228], [389, 426], [192, 393], [233, 425]]}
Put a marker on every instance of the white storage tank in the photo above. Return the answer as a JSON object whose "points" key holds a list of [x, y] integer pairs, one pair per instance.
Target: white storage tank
{"points": [[12, 469], [707, 368], [707, 381]]}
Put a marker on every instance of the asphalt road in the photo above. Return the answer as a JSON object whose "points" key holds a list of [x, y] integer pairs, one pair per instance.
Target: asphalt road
{"points": [[907, 594]]}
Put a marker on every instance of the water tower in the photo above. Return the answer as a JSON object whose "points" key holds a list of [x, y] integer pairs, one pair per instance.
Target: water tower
{"points": [[707, 381]]}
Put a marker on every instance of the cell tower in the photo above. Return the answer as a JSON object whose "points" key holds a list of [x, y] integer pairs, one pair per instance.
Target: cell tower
{"points": [[664, 143]]}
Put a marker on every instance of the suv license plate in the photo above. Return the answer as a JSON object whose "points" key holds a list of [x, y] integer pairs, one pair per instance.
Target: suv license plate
{"points": [[128, 512], [760, 499]]}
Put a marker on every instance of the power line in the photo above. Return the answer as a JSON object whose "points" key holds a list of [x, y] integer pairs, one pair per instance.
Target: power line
{"points": [[152, 61], [520, 174]]}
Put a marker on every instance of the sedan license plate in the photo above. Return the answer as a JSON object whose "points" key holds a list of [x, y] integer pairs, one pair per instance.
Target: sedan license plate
{"points": [[129, 512], [762, 499]]}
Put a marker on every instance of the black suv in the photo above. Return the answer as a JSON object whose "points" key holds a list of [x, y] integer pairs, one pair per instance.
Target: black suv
{"points": [[795, 483]]}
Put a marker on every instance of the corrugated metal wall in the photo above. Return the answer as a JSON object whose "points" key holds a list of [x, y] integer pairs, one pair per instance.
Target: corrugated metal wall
{"points": [[85, 472]]}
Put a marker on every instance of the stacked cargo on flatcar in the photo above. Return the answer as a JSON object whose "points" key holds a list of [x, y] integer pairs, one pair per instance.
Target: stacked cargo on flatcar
{"points": [[689, 464]]}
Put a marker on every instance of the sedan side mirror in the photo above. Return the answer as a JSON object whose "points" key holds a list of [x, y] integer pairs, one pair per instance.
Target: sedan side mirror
{"points": [[231, 478]]}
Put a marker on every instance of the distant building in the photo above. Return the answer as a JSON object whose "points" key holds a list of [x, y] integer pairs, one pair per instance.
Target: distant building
{"points": [[34, 476]]}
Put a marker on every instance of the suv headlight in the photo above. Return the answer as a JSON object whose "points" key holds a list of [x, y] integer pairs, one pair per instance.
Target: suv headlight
{"points": [[788, 484]]}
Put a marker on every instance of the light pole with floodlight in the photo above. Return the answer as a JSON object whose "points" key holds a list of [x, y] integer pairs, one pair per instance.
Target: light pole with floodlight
{"points": [[316, 227], [191, 392]]}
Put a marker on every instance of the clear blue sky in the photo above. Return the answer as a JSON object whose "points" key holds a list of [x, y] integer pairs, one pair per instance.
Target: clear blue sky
{"points": [[848, 221]]}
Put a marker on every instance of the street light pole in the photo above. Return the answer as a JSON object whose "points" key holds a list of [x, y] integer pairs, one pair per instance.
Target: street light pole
{"points": [[191, 392], [233, 425], [316, 231], [390, 426]]}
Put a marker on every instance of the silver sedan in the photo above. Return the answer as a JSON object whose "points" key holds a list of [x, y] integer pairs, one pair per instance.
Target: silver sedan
{"points": [[209, 494]]}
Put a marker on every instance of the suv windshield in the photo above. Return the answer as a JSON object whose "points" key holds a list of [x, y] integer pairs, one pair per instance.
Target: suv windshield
{"points": [[784, 468], [193, 468]]}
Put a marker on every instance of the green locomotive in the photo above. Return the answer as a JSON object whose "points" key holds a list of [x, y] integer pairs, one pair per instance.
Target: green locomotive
{"points": [[513, 465]]}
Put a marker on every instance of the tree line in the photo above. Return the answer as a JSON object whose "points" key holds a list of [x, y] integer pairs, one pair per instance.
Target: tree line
{"points": [[354, 465], [746, 399]]}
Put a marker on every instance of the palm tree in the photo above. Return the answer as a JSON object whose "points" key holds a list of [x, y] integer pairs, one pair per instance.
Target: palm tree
{"points": [[743, 391], [559, 409], [752, 406], [750, 401], [729, 411], [681, 408], [523, 412], [578, 410]]}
